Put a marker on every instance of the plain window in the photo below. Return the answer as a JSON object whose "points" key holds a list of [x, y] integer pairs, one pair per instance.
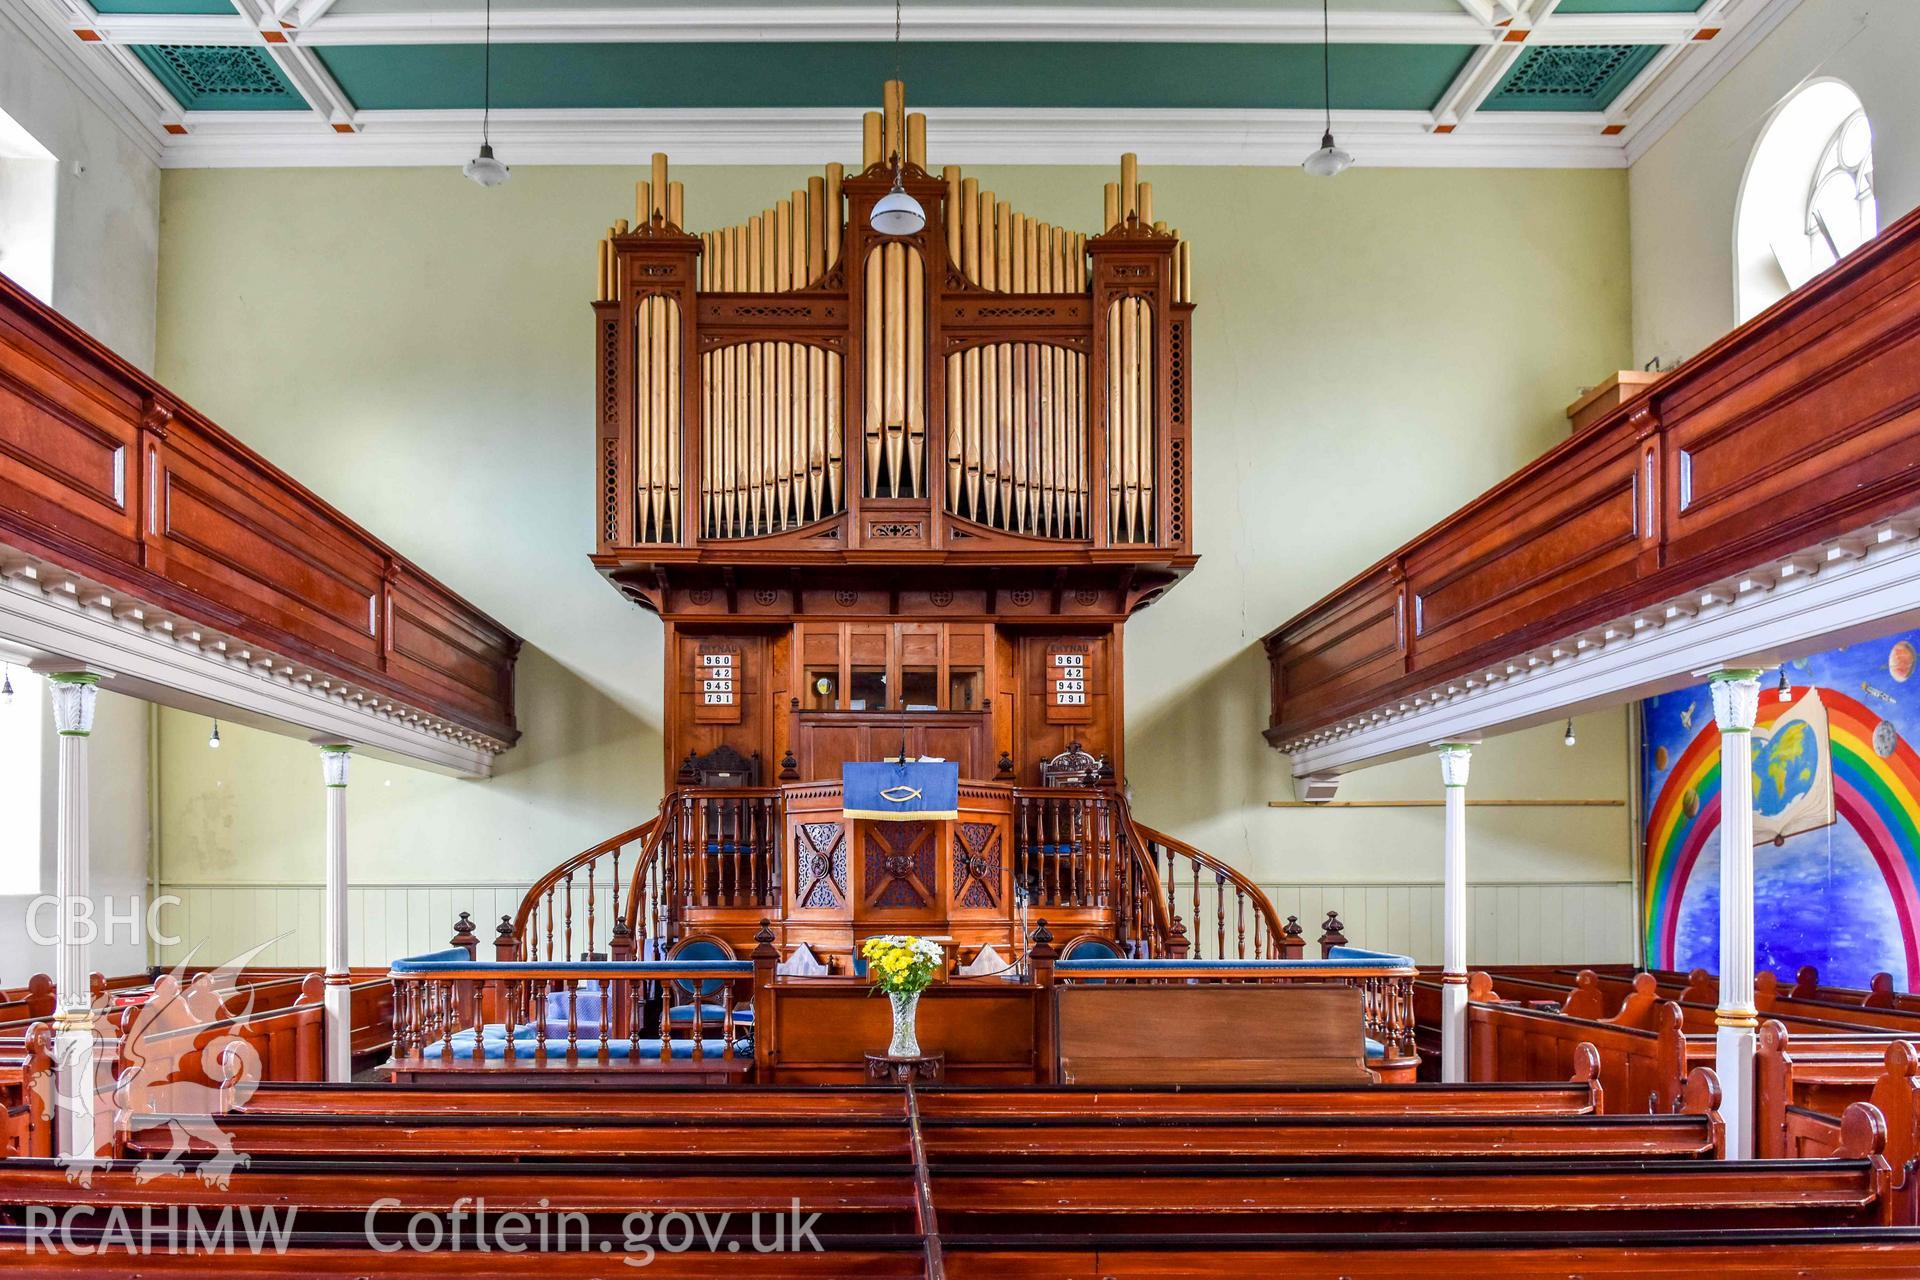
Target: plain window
{"points": [[27, 175]]}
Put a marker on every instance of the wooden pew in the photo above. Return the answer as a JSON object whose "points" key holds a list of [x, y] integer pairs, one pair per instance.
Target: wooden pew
{"points": [[1641, 1069], [876, 1197]]}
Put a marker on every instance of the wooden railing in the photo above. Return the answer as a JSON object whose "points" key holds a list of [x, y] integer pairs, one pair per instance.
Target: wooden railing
{"points": [[585, 890], [450, 1009], [1226, 915], [1795, 429], [725, 848]]}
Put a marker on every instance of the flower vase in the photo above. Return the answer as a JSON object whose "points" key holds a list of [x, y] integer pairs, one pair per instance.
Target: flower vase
{"points": [[906, 1043]]}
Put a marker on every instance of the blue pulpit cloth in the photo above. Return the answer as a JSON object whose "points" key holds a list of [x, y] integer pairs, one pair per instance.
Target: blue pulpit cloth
{"points": [[890, 791]]}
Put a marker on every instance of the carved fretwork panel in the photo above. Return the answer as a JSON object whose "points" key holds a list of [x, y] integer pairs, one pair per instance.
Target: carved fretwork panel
{"points": [[899, 859], [978, 865], [820, 865]]}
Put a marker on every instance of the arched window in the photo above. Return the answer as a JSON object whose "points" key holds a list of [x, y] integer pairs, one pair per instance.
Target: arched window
{"points": [[1807, 200]]}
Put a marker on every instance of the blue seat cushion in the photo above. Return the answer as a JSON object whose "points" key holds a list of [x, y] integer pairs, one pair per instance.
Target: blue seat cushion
{"points": [[714, 1014], [493, 1046], [1375, 1049]]}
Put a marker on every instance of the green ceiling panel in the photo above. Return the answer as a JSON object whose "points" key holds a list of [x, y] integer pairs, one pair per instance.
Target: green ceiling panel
{"points": [[165, 6], [1569, 77], [1403, 77], [220, 77]]}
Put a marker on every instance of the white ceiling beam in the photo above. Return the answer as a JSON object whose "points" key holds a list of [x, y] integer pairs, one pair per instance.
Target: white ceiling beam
{"points": [[305, 72], [956, 136], [311, 22], [1479, 78]]}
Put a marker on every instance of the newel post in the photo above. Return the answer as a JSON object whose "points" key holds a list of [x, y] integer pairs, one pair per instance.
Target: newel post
{"points": [[464, 937], [1331, 935], [1041, 954], [766, 963], [505, 945], [1293, 942]]}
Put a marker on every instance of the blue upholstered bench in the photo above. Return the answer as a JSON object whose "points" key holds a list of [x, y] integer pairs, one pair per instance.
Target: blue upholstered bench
{"points": [[493, 1046]]}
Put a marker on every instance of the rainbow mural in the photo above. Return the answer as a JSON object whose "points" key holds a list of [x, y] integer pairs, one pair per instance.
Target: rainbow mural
{"points": [[1843, 896]]}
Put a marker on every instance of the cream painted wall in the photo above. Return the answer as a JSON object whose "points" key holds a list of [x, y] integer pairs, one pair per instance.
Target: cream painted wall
{"points": [[106, 234], [1685, 189], [106, 203], [1371, 352]]}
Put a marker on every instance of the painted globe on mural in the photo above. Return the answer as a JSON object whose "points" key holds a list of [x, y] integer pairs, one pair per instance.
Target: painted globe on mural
{"points": [[1886, 739], [1784, 769], [1900, 661], [1690, 802], [1660, 758]]}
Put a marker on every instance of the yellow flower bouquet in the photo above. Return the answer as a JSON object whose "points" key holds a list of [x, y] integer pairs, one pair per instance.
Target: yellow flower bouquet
{"points": [[902, 967]]}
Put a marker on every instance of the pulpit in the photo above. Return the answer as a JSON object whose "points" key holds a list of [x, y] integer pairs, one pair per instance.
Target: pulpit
{"points": [[855, 876]]}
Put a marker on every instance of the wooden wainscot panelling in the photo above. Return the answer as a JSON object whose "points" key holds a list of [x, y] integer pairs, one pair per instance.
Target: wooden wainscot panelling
{"points": [[435, 640], [106, 474], [1352, 641], [1528, 550], [1800, 426], [265, 552], [1812, 426], [68, 432]]}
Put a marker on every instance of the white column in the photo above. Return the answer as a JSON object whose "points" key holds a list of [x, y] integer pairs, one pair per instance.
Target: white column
{"points": [[1455, 758], [75, 1044], [1736, 701], [334, 759]]}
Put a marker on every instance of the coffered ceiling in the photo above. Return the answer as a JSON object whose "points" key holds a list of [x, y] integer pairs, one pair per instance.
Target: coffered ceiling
{"points": [[1426, 82]]}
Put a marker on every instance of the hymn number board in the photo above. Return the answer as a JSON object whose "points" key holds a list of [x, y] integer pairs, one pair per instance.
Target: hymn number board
{"points": [[1069, 683], [718, 692]]}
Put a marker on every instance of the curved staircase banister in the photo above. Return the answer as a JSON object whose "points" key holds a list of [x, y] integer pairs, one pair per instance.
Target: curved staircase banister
{"points": [[560, 877], [1144, 839]]}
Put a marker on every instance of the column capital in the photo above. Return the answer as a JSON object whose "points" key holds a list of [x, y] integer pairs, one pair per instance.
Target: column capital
{"points": [[74, 694], [334, 759], [1736, 698], [1455, 760]]}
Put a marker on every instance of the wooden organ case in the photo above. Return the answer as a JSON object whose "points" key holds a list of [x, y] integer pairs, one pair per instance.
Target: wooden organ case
{"points": [[893, 490]]}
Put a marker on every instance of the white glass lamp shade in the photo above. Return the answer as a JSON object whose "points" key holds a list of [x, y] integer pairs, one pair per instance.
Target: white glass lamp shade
{"points": [[1329, 161], [897, 214], [485, 170]]}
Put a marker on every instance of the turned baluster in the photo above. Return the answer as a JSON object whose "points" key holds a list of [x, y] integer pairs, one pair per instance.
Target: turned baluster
{"points": [[1022, 840], [1240, 922], [571, 991], [1154, 851], [1199, 926], [509, 1017], [445, 989], [548, 917], [636, 996], [566, 950], [538, 990], [1220, 915], [593, 905], [615, 915], [726, 1021]]}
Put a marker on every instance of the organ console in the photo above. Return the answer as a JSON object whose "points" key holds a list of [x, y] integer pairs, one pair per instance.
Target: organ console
{"points": [[897, 490]]}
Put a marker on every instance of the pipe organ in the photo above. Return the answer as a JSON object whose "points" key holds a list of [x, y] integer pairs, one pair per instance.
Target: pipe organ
{"points": [[807, 425]]}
